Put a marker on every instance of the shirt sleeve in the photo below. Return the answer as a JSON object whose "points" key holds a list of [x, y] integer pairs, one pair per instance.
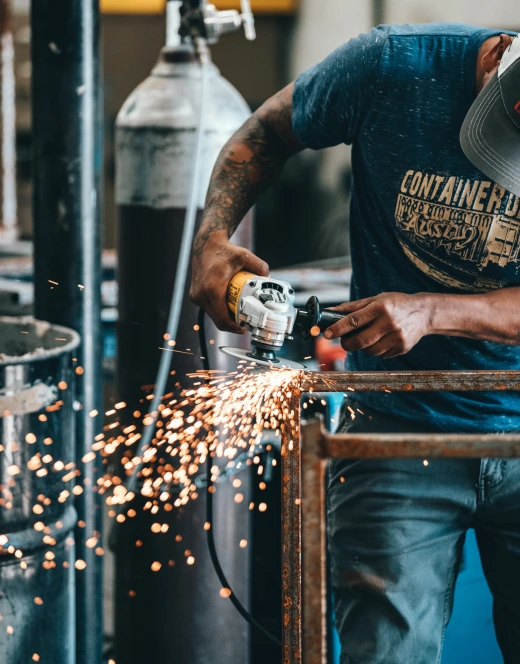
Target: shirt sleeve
{"points": [[331, 99]]}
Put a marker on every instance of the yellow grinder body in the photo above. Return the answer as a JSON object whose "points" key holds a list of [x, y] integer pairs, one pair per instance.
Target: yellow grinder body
{"points": [[235, 288]]}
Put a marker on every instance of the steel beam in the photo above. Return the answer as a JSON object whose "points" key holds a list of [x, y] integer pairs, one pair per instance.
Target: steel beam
{"points": [[410, 381], [416, 445], [67, 164], [315, 639]]}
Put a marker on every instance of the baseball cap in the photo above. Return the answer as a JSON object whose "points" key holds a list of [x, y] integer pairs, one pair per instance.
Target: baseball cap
{"points": [[490, 135]]}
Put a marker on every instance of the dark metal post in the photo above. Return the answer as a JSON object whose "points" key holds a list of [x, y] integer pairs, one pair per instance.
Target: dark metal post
{"points": [[8, 216], [67, 144]]}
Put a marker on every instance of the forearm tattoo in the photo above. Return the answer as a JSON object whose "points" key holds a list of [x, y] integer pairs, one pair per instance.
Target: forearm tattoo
{"points": [[248, 164]]}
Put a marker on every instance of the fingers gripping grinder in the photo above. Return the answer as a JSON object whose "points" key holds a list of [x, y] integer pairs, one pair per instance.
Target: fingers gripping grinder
{"points": [[265, 306]]}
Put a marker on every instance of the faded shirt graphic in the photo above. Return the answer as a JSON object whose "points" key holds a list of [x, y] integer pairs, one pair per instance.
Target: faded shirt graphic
{"points": [[463, 233]]}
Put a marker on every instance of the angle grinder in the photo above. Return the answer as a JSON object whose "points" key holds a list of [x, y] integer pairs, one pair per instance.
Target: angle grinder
{"points": [[265, 307]]}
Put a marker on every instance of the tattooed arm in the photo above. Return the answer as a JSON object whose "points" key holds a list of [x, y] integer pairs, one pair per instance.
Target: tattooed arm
{"points": [[249, 163]]}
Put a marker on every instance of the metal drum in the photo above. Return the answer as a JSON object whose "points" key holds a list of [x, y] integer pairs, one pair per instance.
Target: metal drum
{"points": [[37, 515]]}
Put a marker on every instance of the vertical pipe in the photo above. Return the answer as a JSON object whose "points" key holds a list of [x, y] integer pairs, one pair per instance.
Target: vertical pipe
{"points": [[291, 535], [8, 219], [378, 12], [67, 149], [314, 546]]}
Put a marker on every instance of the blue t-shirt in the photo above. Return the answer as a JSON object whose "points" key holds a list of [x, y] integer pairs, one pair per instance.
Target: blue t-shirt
{"points": [[423, 218]]}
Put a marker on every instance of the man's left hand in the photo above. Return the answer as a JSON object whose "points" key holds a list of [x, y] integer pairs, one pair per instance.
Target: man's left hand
{"points": [[386, 325]]}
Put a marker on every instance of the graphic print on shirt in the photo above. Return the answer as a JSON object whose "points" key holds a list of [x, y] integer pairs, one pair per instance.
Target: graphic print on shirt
{"points": [[463, 233]]}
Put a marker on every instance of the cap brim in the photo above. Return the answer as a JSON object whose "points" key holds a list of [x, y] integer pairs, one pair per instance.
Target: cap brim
{"points": [[490, 140]]}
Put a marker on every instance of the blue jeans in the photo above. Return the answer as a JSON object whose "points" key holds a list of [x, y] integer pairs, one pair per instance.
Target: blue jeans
{"points": [[396, 532]]}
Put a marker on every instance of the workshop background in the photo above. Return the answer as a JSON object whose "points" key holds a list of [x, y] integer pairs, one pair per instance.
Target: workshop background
{"points": [[301, 229]]}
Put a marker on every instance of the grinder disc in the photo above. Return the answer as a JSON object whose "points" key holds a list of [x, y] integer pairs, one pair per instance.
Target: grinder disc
{"points": [[243, 354]]}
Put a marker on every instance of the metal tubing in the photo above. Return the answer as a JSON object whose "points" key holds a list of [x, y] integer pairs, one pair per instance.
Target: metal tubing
{"points": [[314, 555], [313, 643], [67, 162], [415, 445], [410, 381], [8, 210], [291, 536]]}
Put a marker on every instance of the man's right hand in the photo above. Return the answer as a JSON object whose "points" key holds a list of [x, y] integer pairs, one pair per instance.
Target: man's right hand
{"points": [[213, 269]]}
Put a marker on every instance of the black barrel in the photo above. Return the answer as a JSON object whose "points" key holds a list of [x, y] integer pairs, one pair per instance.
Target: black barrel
{"points": [[37, 515]]}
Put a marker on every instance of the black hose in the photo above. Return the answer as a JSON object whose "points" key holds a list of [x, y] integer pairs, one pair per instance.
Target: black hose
{"points": [[209, 512]]}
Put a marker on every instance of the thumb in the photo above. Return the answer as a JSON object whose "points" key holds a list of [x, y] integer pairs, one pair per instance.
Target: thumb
{"points": [[255, 265]]}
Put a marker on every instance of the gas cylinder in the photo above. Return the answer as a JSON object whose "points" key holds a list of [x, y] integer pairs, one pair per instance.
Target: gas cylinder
{"points": [[175, 615], [155, 143]]}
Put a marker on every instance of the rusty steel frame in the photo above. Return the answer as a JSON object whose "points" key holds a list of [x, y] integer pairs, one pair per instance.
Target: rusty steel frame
{"points": [[304, 546]]}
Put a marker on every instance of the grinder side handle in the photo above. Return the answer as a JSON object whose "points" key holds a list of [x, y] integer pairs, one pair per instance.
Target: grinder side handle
{"points": [[313, 320], [328, 318]]}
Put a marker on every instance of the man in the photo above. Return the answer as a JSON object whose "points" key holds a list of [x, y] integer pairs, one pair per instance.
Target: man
{"points": [[436, 259]]}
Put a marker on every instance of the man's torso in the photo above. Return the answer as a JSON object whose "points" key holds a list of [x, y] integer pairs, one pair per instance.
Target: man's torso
{"points": [[423, 218]]}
